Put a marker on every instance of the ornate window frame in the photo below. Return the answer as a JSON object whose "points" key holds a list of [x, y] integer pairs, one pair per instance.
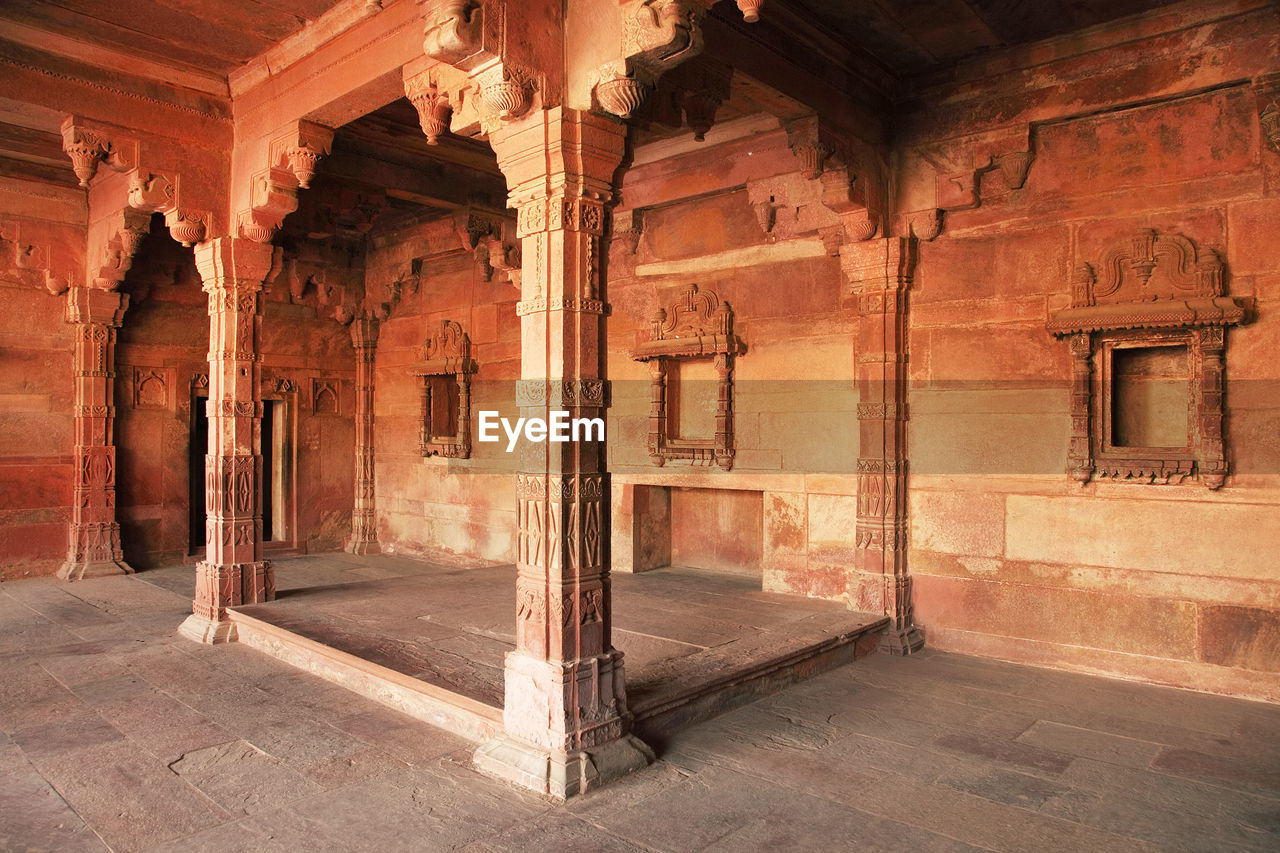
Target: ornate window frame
{"points": [[1127, 306], [446, 354], [697, 325]]}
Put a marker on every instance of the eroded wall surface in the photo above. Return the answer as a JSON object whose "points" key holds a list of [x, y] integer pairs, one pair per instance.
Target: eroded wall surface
{"points": [[1012, 558], [443, 508], [695, 220], [36, 392]]}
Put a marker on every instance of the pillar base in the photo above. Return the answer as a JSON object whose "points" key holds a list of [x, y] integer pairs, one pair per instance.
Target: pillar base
{"points": [[74, 571], [202, 629], [363, 546], [901, 641], [561, 775]]}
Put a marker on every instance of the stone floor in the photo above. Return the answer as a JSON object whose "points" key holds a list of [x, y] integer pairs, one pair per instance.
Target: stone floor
{"points": [[115, 733]]}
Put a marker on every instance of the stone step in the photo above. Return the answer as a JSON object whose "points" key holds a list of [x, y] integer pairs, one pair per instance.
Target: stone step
{"points": [[659, 712], [688, 701], [429, 703]]}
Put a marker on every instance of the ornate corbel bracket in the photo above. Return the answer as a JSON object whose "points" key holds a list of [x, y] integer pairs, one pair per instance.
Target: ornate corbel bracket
{"points": [[128, 230], [807, 141], [455, 33], [37, 260], [89, 145], [151, 192], [300, 148], [433, 106], [750, 10], [957, 167], [845, 195], [292, 156], [491, 239], [657, 35]]}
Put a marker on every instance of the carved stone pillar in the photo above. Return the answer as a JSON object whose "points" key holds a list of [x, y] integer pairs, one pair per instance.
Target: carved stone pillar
{"points": [[233, 571], [364, 531], [94, 535], [565, 711], [879, 272]]}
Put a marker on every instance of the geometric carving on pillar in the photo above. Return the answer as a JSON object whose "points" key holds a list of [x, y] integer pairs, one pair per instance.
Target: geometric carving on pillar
{"points": [[566, 724], [94, 535], [233, 572], [879, 272]]}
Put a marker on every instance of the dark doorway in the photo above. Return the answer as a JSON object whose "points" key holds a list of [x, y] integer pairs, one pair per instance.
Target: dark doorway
{"points": [[199, 444], [268, 448]]}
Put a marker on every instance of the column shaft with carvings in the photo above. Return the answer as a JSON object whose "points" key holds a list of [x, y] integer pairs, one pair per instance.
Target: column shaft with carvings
{"points": [[364, 530], [565, 709], [94, 535], [880, 273], [233, 571]]}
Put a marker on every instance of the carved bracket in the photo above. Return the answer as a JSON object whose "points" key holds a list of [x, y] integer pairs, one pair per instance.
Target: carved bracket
{"points": [[42, 262], [149, 190], [432, 104], [292, 157], [957, 167]]}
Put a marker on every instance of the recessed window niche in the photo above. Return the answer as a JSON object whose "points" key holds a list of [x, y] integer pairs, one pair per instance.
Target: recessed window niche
{"points": [[1147, 332], [444, 366], [1150, 396], [690, 349]]}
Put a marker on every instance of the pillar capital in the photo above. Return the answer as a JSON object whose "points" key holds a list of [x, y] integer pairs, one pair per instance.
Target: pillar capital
{"points": [[239, 260], [100, 307], [559, 152], [879, 264]]}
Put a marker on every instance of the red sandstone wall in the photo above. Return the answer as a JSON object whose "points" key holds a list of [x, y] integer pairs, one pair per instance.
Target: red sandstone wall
{"points": [[795, 404], [36, 433], [165, 335], [1011, 558], [443, 509]]}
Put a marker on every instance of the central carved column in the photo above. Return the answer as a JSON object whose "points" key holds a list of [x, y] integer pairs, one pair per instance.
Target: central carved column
{"points": [[565, 711], [879, 272], [364, 530], [94, 534], [233, 571]]}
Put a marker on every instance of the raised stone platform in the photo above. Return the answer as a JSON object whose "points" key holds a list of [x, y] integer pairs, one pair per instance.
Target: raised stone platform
{"points": [[429, 640]]}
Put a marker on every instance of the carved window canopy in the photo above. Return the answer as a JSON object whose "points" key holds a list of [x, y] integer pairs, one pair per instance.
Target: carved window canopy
{"points": [[691, 419], [1147, 331], [445, 365]]}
